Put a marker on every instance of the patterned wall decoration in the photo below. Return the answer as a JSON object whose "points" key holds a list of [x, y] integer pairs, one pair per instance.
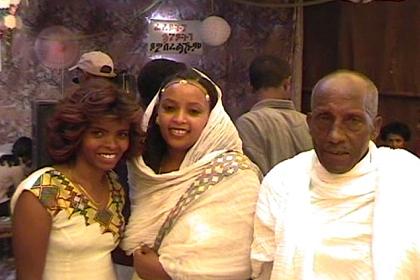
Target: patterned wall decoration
{"points": [[56, 32]]}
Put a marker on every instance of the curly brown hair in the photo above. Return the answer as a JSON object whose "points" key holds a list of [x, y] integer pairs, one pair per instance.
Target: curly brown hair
{"points": [[91, 102]]}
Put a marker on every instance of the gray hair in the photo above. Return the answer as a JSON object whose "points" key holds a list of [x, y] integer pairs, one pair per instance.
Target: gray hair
{"points": [[371, 92]]}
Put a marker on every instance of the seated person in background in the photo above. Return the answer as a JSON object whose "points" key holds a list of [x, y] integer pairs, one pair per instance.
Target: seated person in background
{"points": [[193, 192], [22, 149], [395, 135], [67, 218], [347, 209], [11, 174], [13, 169], [273, 130], [151, 76]]}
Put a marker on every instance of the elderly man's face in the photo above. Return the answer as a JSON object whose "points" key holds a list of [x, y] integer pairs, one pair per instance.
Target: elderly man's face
{"points": [[340, 125]]}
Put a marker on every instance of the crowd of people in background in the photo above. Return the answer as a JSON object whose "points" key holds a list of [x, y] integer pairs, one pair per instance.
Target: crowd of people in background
{"points": [[166, 184]]}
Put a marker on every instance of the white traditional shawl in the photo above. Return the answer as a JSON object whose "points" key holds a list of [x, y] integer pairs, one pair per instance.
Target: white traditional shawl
{"points": [[283, 213], [211, 240]]}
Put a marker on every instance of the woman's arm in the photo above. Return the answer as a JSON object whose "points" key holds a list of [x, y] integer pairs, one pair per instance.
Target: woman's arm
{"points": [[147, 265], [31, 231]]}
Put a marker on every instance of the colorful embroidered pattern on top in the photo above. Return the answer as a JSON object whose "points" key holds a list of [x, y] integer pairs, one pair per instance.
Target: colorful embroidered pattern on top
{"points": [[57, 193], [221, 167]]}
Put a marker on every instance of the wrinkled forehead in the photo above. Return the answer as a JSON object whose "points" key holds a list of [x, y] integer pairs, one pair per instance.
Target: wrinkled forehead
{"points": [[343, 89]]}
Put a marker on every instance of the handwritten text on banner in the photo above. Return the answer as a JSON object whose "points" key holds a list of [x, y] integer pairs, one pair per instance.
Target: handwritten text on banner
{"points": [[174, 37]]}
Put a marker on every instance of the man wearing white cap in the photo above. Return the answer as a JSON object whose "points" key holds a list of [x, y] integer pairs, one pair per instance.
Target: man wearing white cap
{"points": [[93, 64]]}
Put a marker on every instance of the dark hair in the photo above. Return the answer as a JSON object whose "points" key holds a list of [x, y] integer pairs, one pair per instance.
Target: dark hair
{"points": [[93, 101], [9, 160], [151, 76], [22, 148], [268, 71], [398, 128], [155, 145]]}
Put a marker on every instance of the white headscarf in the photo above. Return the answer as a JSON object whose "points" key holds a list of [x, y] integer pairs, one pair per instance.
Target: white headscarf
{"points": [[155, 193], [219, 133]]}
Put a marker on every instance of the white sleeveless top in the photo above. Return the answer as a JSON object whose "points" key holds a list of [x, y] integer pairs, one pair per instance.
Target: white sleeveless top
{"points": [[82, 237]]}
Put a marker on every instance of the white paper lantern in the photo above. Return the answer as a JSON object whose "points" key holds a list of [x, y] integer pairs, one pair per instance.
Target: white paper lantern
{"points": [[214, 31], [9, 21], [57, 47], [4, 4]]}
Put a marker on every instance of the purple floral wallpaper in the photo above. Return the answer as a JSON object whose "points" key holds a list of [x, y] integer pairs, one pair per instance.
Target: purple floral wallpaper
{"points": [[36, 57]]}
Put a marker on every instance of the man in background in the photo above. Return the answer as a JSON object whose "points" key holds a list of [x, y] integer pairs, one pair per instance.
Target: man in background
{"points": [[14, 168], [272, 130], [396, 135], [151, 76], [95, 64]]}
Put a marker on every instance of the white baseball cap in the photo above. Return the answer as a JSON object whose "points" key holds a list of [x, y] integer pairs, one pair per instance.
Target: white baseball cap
{"points": [[96, 63]]}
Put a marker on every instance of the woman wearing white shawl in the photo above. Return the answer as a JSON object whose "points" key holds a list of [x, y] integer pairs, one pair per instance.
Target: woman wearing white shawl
{"points": [[209, 232]]}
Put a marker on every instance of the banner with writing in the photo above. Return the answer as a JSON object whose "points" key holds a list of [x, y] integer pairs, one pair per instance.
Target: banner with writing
{"points": [[174, 37]]}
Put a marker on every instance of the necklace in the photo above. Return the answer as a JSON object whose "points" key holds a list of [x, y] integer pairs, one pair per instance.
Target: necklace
{"points": [[161, 170], [80, 187]]}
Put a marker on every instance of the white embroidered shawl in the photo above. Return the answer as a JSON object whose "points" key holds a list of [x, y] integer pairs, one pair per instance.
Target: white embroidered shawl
{"points": [[212, 239]]}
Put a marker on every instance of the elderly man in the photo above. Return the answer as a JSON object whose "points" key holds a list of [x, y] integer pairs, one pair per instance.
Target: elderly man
{"points": [[347, 209]]}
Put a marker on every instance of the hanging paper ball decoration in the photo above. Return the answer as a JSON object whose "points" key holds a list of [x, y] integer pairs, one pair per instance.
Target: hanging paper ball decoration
{"points": [[4, 4], [9, 21], [57, 47], [214, 31]]}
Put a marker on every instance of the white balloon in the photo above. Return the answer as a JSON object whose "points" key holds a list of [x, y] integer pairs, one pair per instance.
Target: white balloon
{"points": [[214, 31], [10, 21], [4, 4]]}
